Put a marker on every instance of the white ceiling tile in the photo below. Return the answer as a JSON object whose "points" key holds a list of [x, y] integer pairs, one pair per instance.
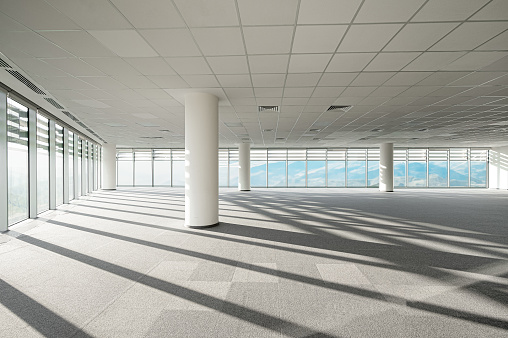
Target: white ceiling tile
{"points": [[32, 44], [92, 14], [349, 62], [243, 101], [97, 94], [75, 66], [171, 42], [204, 13], [237, 80], [500, 65], [150, 66], [37, 67], [442, 78], [168, 81], [268, 92], [135, 81], [496, 10], [298, 92], [497, 43], [317, 39], [477, 78], [386, 91], [228, 64], [470, 35], [112, 66], [199, 81], [268, 40], [432, 61], [8, 25], [328, 91], [189, 65], [337, 79], [78, 43], [295, 101], [327, 11], [449, 10], [387, 10], [103, 82], [153, 93], [475, 60], [407, 78], [268, 12], [372, 79], [391, 61], [63, 83], [268, 63], [268, 80], [302, 80], [357, 91], [239, 92], [40, 15], [219, 41], [419, 36], [124, 43], [368, 38], [308, 63], [156, 14]]}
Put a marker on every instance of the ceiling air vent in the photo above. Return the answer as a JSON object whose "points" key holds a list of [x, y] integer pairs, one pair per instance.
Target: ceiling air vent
{"points": [[343, 108], [27, 82], [151, 137], [268, 108], [53, 103], [4, 64]]}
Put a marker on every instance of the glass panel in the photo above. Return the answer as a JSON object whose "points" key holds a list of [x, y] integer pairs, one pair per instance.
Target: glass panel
{"points": [[143, 168], [42, 163], [178, 173], [71, 165], [162, 173], [125, 167], [80, 155], [296, 173], [459, 175], [223, 167], [373, 174], [316, 173], [399, 173], [417, 174], [59, 142], [276, 173], [336, 173], [438, 173], [478, 174], [17, 157], [356, 173], [258, 173], [233, 168]]}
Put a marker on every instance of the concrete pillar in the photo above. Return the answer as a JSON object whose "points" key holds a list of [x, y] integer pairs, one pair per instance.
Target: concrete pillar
{"points": [[244, 167], [386, 167], [109, 166], [201, 160]]}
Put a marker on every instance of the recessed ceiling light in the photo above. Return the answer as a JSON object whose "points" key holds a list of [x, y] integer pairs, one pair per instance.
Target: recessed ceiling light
{"points": [[267, 130], [377, 130], [314, 130], [233, 124]]}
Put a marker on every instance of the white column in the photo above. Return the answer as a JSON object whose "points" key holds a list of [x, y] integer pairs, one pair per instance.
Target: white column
{"points": [[386, 167], [4, 200], [109, 166], [244, 167], [201, 160]]}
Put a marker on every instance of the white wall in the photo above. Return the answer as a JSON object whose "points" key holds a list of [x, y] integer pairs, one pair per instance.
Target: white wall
{"points": [[498, 168]]}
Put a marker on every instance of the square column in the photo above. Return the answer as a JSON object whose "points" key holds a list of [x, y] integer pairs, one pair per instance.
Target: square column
{"points": [[109, 166], [201, 160]]}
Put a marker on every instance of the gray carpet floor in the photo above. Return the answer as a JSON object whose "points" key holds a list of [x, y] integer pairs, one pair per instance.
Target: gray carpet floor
{"points": [[282, 263]]}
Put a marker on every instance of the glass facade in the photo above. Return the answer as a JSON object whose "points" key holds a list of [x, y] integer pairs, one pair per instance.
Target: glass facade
{"points": [[17, 161], [42, 163], [36, 164], [334, 168]]}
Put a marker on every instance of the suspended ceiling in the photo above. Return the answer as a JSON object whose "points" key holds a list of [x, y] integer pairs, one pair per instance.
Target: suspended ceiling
{"points": [[416, 72]]}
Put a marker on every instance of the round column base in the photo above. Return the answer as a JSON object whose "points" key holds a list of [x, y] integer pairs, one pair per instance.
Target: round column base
{"points": [[201, 226]]}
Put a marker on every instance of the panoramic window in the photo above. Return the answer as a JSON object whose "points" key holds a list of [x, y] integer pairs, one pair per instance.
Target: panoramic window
{"points": [[70, 141], [258, 172], [143, 168], [233, 167], [417, 168], [277, 167], [59, 144], [373, 168], [336, 167], [296, 167], [17, 152], [478, 171], [356, 169], [316, 167], [42, 163], [162, 167], [178, 168], [438, 168], [223, 167], [125, 168], [459, 168]]}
